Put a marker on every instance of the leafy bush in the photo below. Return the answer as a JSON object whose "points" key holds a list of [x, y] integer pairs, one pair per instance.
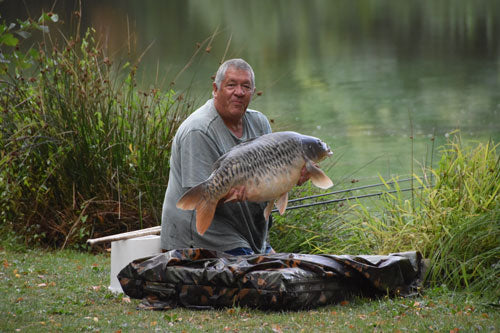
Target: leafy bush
{"points": [[83, 151]]}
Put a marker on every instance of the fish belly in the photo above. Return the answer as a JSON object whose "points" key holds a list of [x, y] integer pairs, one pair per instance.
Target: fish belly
{"points": [[271, 185]]}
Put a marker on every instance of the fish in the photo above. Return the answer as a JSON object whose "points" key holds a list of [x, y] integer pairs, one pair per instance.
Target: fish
{"points": [[268, 166]]}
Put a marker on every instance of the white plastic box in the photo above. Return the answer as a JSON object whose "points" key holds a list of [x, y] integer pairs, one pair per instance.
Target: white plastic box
{"points": [[125, 251]]}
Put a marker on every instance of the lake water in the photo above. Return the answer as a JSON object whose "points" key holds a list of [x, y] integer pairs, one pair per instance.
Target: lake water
{"points": [[361, 75]]}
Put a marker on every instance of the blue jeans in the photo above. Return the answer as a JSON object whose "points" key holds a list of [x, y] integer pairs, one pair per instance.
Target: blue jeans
{"points": [[241, 251]]}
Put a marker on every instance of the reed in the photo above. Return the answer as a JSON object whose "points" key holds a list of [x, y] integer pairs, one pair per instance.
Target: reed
{"points": [[455, 222], [83, 151]]}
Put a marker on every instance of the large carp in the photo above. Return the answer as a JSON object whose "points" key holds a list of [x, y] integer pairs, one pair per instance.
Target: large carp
{"points": [[268, 167]]}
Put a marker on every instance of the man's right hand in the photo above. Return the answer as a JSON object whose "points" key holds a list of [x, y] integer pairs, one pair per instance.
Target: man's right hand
{"points": [[235, 194]]}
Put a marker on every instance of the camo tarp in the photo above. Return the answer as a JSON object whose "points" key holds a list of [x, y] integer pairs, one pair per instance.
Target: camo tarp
{"points": [[199, 278]]}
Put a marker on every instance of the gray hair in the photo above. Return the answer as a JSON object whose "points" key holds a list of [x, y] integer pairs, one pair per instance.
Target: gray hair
{"points": [[233, 63]]}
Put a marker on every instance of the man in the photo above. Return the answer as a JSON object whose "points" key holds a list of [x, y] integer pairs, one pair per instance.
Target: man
{"points": [[208, 133]]}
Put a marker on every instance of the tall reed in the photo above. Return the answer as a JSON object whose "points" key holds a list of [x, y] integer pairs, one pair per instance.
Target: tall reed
{"points": [[83, 150], [455, 222]]}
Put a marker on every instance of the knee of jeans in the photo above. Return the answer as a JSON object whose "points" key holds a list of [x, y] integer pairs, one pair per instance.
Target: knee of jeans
{"points": [[240, 251]]}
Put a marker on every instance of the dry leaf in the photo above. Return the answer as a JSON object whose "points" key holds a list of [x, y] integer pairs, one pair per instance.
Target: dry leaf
{"points": [[276, 328]]}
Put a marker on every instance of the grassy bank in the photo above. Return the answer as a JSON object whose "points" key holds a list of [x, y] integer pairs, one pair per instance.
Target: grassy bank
{"points": [[67, 291]]}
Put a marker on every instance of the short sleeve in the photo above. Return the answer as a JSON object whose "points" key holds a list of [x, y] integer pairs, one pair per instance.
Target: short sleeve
{"points": [[198, 153]]}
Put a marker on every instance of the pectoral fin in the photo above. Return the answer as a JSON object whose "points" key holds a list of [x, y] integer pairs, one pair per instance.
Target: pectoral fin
{"points": [[282, 202], [318, 177], [268, 210]]}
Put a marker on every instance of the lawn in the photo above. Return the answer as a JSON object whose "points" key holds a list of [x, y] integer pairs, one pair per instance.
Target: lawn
{"points": [[67, 291]]}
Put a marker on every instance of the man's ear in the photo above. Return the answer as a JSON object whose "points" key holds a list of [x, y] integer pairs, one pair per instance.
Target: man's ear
{"points": [[214, 89]]}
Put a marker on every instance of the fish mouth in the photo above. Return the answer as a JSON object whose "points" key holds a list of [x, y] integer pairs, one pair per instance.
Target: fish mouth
{"points": [[328, 151]]}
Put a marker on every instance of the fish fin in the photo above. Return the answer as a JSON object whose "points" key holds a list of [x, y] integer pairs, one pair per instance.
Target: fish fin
{"points": [[194, 199], [318, 177], [268, 209], [191, 197], [282, 202], [205, 211]]}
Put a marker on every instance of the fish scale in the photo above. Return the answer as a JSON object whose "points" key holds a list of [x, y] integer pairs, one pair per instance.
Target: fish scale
{"points": [[267, 167]]}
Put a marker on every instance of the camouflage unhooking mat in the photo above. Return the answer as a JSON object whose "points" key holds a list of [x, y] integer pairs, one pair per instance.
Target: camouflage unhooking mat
{"points": [[198, 278]]}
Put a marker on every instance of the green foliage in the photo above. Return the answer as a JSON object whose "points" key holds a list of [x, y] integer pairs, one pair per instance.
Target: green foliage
{"points": [[453, 219], [316, 229], [82, 150]]}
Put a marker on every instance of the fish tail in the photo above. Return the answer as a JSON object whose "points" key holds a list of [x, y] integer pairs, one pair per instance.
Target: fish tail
{"points": [[192, 197], [197, 199], [205, 211]]}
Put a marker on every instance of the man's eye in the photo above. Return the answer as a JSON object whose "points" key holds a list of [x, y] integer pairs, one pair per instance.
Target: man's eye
{"points": [[247, 87]]}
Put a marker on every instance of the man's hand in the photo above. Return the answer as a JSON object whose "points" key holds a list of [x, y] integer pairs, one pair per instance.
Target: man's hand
{"points": [[235, 194]]}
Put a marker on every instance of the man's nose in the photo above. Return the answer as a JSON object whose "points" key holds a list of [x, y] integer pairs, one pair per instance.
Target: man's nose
{"points": [[239, 90]]}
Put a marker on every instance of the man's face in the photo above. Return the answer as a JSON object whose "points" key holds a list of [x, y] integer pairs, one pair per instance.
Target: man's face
{"points": [[232, 98]]}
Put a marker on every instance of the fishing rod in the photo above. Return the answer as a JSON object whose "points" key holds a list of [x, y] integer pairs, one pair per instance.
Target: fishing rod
{"points": [[350, 190], [349, 198]]}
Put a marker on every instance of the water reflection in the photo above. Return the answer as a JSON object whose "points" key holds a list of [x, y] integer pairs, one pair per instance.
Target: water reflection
{"points": [[355, 73]]}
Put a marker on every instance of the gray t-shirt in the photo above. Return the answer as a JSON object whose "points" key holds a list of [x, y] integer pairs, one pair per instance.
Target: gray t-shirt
{"points": [[200, 140]]}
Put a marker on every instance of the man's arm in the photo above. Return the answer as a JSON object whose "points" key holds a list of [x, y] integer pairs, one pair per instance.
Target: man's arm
{"points": [[198, 154]]}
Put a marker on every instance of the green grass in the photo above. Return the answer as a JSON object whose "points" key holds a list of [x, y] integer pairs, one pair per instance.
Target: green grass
{"points": [[67, 291]]}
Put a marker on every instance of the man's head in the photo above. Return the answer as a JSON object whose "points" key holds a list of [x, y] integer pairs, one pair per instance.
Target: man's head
{"points": [[234, 63], [233, 88]]}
